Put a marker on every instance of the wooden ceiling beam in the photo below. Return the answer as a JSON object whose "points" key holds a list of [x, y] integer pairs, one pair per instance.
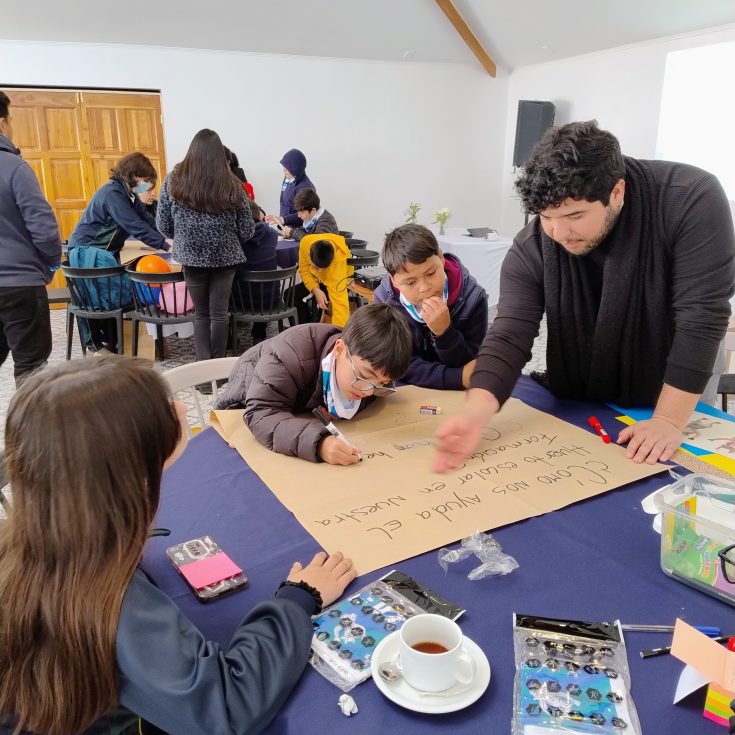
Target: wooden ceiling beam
{"points": [[468, 36]]}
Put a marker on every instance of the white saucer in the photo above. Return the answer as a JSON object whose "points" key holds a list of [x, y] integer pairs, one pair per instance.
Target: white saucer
{"points": [[406, 696]]}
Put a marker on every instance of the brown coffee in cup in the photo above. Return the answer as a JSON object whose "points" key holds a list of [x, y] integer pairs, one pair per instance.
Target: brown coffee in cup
{"points": [[429, 647]]}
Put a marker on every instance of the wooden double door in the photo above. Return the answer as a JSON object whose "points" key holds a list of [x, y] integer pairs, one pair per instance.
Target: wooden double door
{"points": [[73, 138]]}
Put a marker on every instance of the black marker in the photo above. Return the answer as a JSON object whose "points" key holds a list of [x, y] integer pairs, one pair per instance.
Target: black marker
{"points": [[649, 652], [323, 415]]}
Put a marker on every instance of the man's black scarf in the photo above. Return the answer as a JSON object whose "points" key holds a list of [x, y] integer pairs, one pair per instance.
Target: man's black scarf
{"points": [[615, 350]]}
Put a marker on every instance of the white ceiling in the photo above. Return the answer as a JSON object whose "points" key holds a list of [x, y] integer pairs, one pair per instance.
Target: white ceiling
{"points": [[514, 32]]}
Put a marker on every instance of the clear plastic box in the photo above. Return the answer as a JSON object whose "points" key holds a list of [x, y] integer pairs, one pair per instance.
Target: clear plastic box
{"points": [[698, 526]]}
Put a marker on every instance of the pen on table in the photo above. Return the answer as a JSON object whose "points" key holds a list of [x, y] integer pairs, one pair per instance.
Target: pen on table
{"points": [[159, 532], [321, 413], [597, 426], [649, 652], [709, 630]]}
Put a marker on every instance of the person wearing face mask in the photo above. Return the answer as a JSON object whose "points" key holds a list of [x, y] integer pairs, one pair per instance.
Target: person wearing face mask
{"points": [[115, 212], [445, 306], [294, 179], [280, 381], [150, 204]]}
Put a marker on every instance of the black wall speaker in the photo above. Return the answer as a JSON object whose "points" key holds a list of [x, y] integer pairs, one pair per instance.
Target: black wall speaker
{"points": [[534, 119]]}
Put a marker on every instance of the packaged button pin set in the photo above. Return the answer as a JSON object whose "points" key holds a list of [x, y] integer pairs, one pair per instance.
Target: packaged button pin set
{"points": [[698, 534], [571, 677], [346, 634]]}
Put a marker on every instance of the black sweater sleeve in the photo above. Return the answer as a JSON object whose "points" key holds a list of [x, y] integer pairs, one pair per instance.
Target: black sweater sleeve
{"points": [[174, 678], [508, 343], [702, 280]]}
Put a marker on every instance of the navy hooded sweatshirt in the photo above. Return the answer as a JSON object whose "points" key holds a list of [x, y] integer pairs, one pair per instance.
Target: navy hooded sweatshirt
{"points": [[295, 162], [29, 236], [437, 362]]}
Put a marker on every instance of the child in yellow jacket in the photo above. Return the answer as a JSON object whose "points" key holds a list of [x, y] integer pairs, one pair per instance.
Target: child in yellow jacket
{"points": [[323, 260]]}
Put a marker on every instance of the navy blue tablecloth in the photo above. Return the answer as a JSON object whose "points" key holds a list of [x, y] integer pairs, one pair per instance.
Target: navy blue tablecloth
{"points": [[595, 560], [287, 253]]}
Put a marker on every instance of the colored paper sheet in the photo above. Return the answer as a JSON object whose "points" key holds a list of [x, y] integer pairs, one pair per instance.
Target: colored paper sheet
{"points": [[210, 570], [708, 657], [391, 506], [721, 461]]}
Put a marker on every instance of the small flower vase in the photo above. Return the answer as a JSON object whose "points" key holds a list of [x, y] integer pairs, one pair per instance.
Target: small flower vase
{"points": [[442, 228]]}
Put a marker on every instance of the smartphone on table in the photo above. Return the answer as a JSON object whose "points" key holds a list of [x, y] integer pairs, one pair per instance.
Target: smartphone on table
{"points": [[208, 571]]}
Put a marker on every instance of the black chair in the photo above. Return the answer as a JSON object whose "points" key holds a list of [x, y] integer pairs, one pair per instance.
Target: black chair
{"points": [[97, 294], [726, 387], [355, 244], [345, 233], [363, 259], [158, 303], [262, 296]]}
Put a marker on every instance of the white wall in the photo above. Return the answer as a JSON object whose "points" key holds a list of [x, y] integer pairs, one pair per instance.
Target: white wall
{"points": [[377, 135], [620, 88]]}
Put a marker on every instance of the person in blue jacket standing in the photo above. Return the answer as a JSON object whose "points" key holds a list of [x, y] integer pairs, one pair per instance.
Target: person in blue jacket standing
{"points": [[294, 179], [30, 247], [115, 212]]}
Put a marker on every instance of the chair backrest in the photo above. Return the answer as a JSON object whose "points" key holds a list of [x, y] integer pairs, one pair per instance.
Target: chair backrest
{"points": [[182, 380], [354, 244], [98, 289], [160, 295], [264, 293], [363, 259], [346, 233]]}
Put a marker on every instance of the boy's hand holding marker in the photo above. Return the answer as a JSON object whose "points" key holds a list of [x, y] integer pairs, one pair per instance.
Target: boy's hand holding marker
{"points": [[335, 449]]}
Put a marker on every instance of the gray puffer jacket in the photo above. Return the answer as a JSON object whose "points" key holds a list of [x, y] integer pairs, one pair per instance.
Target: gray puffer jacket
{"points": [[279, 378]]}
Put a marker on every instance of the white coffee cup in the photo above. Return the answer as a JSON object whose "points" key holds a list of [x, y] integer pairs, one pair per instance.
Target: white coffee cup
{"points": [[434, 671]]}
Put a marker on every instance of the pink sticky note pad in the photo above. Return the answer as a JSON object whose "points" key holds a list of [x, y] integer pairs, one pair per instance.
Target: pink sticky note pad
{"points": [[210, 570]]}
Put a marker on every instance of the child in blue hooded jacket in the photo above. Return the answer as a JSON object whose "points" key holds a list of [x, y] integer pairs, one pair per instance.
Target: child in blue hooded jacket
{"points": [[294, 179]]}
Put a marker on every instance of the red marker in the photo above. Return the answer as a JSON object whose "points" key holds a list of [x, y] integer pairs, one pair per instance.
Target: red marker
{"points": [[597, 426]]}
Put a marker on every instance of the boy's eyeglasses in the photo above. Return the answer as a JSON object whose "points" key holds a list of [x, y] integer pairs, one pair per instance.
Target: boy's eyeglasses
{"points": [[365, 386]]}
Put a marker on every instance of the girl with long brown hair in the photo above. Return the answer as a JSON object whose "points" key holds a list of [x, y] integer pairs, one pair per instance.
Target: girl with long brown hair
{"points": [[204, 208], [84, 633]]}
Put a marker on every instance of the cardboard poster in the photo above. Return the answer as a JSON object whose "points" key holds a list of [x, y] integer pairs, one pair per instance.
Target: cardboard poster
{"points": [[391, 506]]}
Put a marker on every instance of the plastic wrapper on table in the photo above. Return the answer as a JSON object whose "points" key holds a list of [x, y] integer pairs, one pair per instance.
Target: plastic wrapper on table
{"points": [[493, 561], [571, 676], [347, 632]]}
